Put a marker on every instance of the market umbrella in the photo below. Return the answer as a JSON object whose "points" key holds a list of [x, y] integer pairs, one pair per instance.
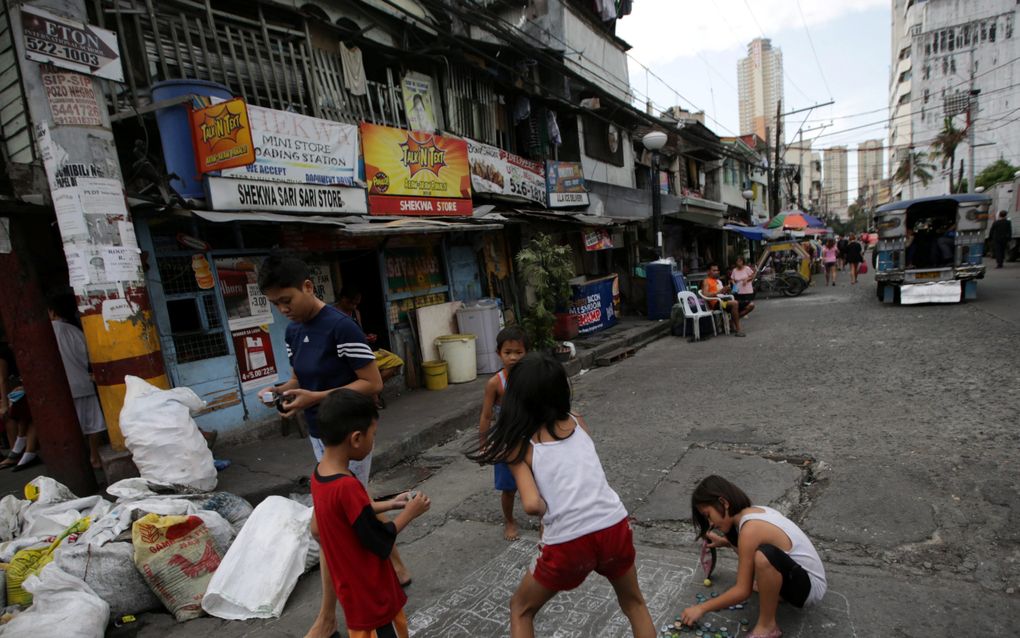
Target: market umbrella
{"points": [[791, 220], [812, 221]]}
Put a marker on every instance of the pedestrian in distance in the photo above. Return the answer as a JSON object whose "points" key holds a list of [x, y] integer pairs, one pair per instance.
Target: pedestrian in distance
{"points": [[327, 351], [1000, 234], [742, 281], [841, 245], [713, 287], [560, 478], [356, 545], [854, 255], [830, 261], [773, 555], [511, 345]]}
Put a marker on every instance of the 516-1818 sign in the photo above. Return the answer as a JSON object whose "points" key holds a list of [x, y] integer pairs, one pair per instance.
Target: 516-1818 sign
{"points": [[70, 45]]}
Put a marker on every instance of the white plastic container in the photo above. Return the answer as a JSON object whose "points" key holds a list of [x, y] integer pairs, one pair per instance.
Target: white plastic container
{"points": [[458, 351], [482, 319]]}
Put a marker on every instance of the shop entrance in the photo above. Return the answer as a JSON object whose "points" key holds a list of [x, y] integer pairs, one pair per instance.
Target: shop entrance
{"points": [[360, 271]]}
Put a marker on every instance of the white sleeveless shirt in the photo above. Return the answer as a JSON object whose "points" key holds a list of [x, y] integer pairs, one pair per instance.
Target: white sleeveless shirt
{"points": [[802, 551], [573, 484]]}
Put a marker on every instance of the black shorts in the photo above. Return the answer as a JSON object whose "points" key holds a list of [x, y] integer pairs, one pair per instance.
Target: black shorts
{"points": [[749, 297], [796, 582]]}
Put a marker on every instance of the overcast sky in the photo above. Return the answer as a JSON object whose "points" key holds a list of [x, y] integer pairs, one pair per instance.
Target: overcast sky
{"points": [[694, 46]]}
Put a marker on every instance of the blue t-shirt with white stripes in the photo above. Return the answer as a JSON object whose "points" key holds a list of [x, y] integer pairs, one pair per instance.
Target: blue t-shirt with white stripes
{"points": [[325, 353]]}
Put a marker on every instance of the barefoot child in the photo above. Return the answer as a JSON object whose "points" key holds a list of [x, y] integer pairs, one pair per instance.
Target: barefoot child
{"points": [[560, 478], [355, 544], [772, 552], [511, 344]]}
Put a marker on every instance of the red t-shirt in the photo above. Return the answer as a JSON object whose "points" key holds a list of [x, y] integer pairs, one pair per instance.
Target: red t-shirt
{"points": [[356, 546]]}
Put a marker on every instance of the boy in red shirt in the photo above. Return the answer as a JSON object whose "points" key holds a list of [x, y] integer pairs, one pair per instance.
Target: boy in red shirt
{"points": [[355, 544]]}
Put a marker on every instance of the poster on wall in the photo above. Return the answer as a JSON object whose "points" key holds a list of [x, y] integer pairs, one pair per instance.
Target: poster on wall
{"points": [[255, 361], [498, 172], [595, 303], [322, 281], [290, 147], [418, 105], [72, 98], [597, 239], [222, 136], [565, 184], [415, 173], [246, 306]]}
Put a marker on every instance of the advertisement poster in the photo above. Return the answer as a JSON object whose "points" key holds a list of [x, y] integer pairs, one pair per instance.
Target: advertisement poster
{"points": [[597, 239], [596, 304], [498, 172], [415, 173], [295, 148], [255, 361], [72, 98], [222, 136], [417, 89], [565, 183], [322, 279], [246, 306], [70, 44]]}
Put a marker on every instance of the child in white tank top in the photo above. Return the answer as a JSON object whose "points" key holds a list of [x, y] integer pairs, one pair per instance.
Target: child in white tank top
{"points": [[772, 551], [559, 477]]}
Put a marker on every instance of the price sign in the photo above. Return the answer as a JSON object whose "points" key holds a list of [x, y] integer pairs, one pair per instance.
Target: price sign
{"points": [[259, 303]]}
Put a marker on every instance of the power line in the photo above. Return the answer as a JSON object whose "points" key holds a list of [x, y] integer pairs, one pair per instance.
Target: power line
{"points": [[813, 51]]}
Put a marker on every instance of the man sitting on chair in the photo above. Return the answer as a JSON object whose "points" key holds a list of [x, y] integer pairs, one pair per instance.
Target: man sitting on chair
{"points": [[713, 287]]}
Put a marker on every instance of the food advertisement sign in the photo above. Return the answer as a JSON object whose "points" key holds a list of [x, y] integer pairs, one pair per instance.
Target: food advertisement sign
{"points": [[256, 363], [596, 304], [498, 172], [415, 173], [295, 148], [222, 136], [565, 183], [246, 305]]}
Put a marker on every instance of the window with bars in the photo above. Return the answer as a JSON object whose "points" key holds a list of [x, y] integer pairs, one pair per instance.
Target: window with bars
{"points": [[196, 326]]}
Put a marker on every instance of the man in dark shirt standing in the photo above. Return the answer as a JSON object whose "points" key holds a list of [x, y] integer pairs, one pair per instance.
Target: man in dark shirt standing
{"points": [[1001, 233], [327, 351]]}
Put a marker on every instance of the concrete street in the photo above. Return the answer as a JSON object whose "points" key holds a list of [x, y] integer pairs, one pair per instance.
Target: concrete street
{"points": [[888, 433]]}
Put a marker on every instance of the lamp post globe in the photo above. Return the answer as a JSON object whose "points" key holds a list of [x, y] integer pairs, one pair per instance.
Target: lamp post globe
{"points": [[748, 195], [654, 141]]}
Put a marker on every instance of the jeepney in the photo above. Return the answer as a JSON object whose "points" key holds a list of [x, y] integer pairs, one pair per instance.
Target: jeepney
{"points": [[930, 249]]}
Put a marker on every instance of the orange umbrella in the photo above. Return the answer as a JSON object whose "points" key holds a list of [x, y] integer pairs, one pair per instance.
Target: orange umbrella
{"points": [[788, 221]]}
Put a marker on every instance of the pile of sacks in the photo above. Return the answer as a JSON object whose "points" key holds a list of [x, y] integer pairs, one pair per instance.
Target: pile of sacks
{"points": [[70, 565]]}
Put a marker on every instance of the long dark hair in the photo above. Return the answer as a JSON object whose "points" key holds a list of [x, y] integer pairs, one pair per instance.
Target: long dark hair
{"points": [[537, 396], [709, 492]]}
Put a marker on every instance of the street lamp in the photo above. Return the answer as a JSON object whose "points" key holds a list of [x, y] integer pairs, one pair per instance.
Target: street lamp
{"points": [[654, 141], [748, 195]]}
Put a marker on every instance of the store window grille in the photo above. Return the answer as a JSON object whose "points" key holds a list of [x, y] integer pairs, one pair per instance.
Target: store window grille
{"points": [[196, 347]]}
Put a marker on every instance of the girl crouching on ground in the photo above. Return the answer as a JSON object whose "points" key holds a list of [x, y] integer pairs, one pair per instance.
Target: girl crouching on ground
{"points": [[772, 552], [560, 478]]}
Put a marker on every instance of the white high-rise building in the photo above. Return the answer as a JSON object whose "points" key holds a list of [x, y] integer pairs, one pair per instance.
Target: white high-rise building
{"points": [[760, 82], [809, 164], [870, 154], [834, 181], [948, 56]]}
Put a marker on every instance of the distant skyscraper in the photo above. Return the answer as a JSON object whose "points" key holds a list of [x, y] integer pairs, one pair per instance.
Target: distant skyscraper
{"points": [[834, 182], [760, 80], [869, 167]]}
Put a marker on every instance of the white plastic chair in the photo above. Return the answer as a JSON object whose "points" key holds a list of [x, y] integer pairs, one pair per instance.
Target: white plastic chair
{"points": [[721, 297], [694, 312]]}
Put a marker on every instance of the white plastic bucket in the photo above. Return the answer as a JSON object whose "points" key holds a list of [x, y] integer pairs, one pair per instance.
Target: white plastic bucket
{"points": [[458, 351]]}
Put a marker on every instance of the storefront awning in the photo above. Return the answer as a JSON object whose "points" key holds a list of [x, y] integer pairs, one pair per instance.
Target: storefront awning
{"points": [[414, 226], [701, 218], [353, 225], [548, 215]]}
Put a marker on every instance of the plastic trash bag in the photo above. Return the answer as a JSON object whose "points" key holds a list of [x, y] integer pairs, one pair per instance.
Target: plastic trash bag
{"points": [[163, 439], [11, 508], [259, 572], [110, 571], [49, 519], [65, 606], [28, 562], [43, 489]]}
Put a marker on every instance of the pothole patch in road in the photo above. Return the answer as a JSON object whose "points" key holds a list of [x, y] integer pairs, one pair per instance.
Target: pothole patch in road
{"points": [[744, 434]]}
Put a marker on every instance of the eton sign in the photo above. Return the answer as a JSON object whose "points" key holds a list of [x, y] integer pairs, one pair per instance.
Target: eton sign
{"points": [[70, 45]]}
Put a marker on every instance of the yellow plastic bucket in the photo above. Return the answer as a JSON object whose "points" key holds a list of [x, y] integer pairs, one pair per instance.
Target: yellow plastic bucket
{"points": [[435, 375]]}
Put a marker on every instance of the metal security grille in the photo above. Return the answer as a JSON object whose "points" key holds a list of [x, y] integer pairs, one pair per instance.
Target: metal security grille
{"points": [[196, 347], [177, 276], [195, 321]]}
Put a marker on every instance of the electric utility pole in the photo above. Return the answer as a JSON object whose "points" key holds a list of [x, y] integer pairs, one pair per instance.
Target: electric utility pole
{"points": [[971, 116], [774, 193]]}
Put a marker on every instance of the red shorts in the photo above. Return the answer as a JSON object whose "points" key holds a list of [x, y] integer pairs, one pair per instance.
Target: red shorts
{"points": [[608, 552]]}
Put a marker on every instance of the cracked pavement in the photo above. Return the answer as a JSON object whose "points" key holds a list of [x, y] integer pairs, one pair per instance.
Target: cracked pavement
{"points": [[888, 433]]}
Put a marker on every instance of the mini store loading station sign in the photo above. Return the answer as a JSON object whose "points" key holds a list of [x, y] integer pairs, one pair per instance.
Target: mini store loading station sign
{"points": [[69, 44]]}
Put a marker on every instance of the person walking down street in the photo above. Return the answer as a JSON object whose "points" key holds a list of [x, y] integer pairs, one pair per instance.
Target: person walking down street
{"points": [[1000, 234], [841, 245], [854, 254], [742, 281], [327, 351], [73, 353], [713, 287], [830, 261]]}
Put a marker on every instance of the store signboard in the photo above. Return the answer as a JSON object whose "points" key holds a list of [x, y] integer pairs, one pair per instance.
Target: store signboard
{"points": [[596, 303], [565, 184], [290, 147], [504, 174], [415, 173], [254, 195], [70, 44], [245, 303], [222, 136]]}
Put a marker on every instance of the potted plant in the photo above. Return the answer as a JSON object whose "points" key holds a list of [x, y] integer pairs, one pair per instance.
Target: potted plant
{"points": [[546, 268]]}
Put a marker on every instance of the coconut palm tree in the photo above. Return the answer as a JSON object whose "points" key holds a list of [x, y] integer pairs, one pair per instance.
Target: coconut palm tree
{"points": [[944, 147], [914, 165]]}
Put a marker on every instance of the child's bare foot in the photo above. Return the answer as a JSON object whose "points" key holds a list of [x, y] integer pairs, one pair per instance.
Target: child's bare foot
{"points": [[510, 532], [322, 628], [763, 631]]}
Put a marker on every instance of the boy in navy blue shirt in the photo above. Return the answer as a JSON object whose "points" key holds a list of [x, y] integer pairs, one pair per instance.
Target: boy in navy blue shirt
{"points": [[327, 351]]}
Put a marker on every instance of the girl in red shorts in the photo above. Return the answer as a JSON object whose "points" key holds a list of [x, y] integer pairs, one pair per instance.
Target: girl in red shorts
{"points": [[560, 478]]}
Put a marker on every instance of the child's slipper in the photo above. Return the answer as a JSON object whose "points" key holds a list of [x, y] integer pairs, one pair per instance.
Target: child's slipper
{"points": [[407, 583], [775, 633]]}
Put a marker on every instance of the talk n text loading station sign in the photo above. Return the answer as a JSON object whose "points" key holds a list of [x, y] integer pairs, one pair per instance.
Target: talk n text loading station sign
{"points": [[70, 45]]}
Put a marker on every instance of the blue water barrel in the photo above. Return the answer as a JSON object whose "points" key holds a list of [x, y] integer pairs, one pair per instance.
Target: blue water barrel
{"points": [[660, 290], [175, 132]]}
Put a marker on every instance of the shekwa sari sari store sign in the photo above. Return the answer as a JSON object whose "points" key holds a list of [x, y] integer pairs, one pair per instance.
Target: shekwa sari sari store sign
{"points": [[302, 165]]}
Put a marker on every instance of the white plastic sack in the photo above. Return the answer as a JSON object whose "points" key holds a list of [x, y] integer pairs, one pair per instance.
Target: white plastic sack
{"points": [[110, 572], [11, 508], [256, 577], [45, 519], [162, 437], [120, 518], [63, 606], [50, 491]]}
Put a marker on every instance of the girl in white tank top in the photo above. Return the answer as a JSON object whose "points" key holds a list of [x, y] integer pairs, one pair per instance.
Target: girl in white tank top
{"points": [[772, 551], [559, 477]]}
